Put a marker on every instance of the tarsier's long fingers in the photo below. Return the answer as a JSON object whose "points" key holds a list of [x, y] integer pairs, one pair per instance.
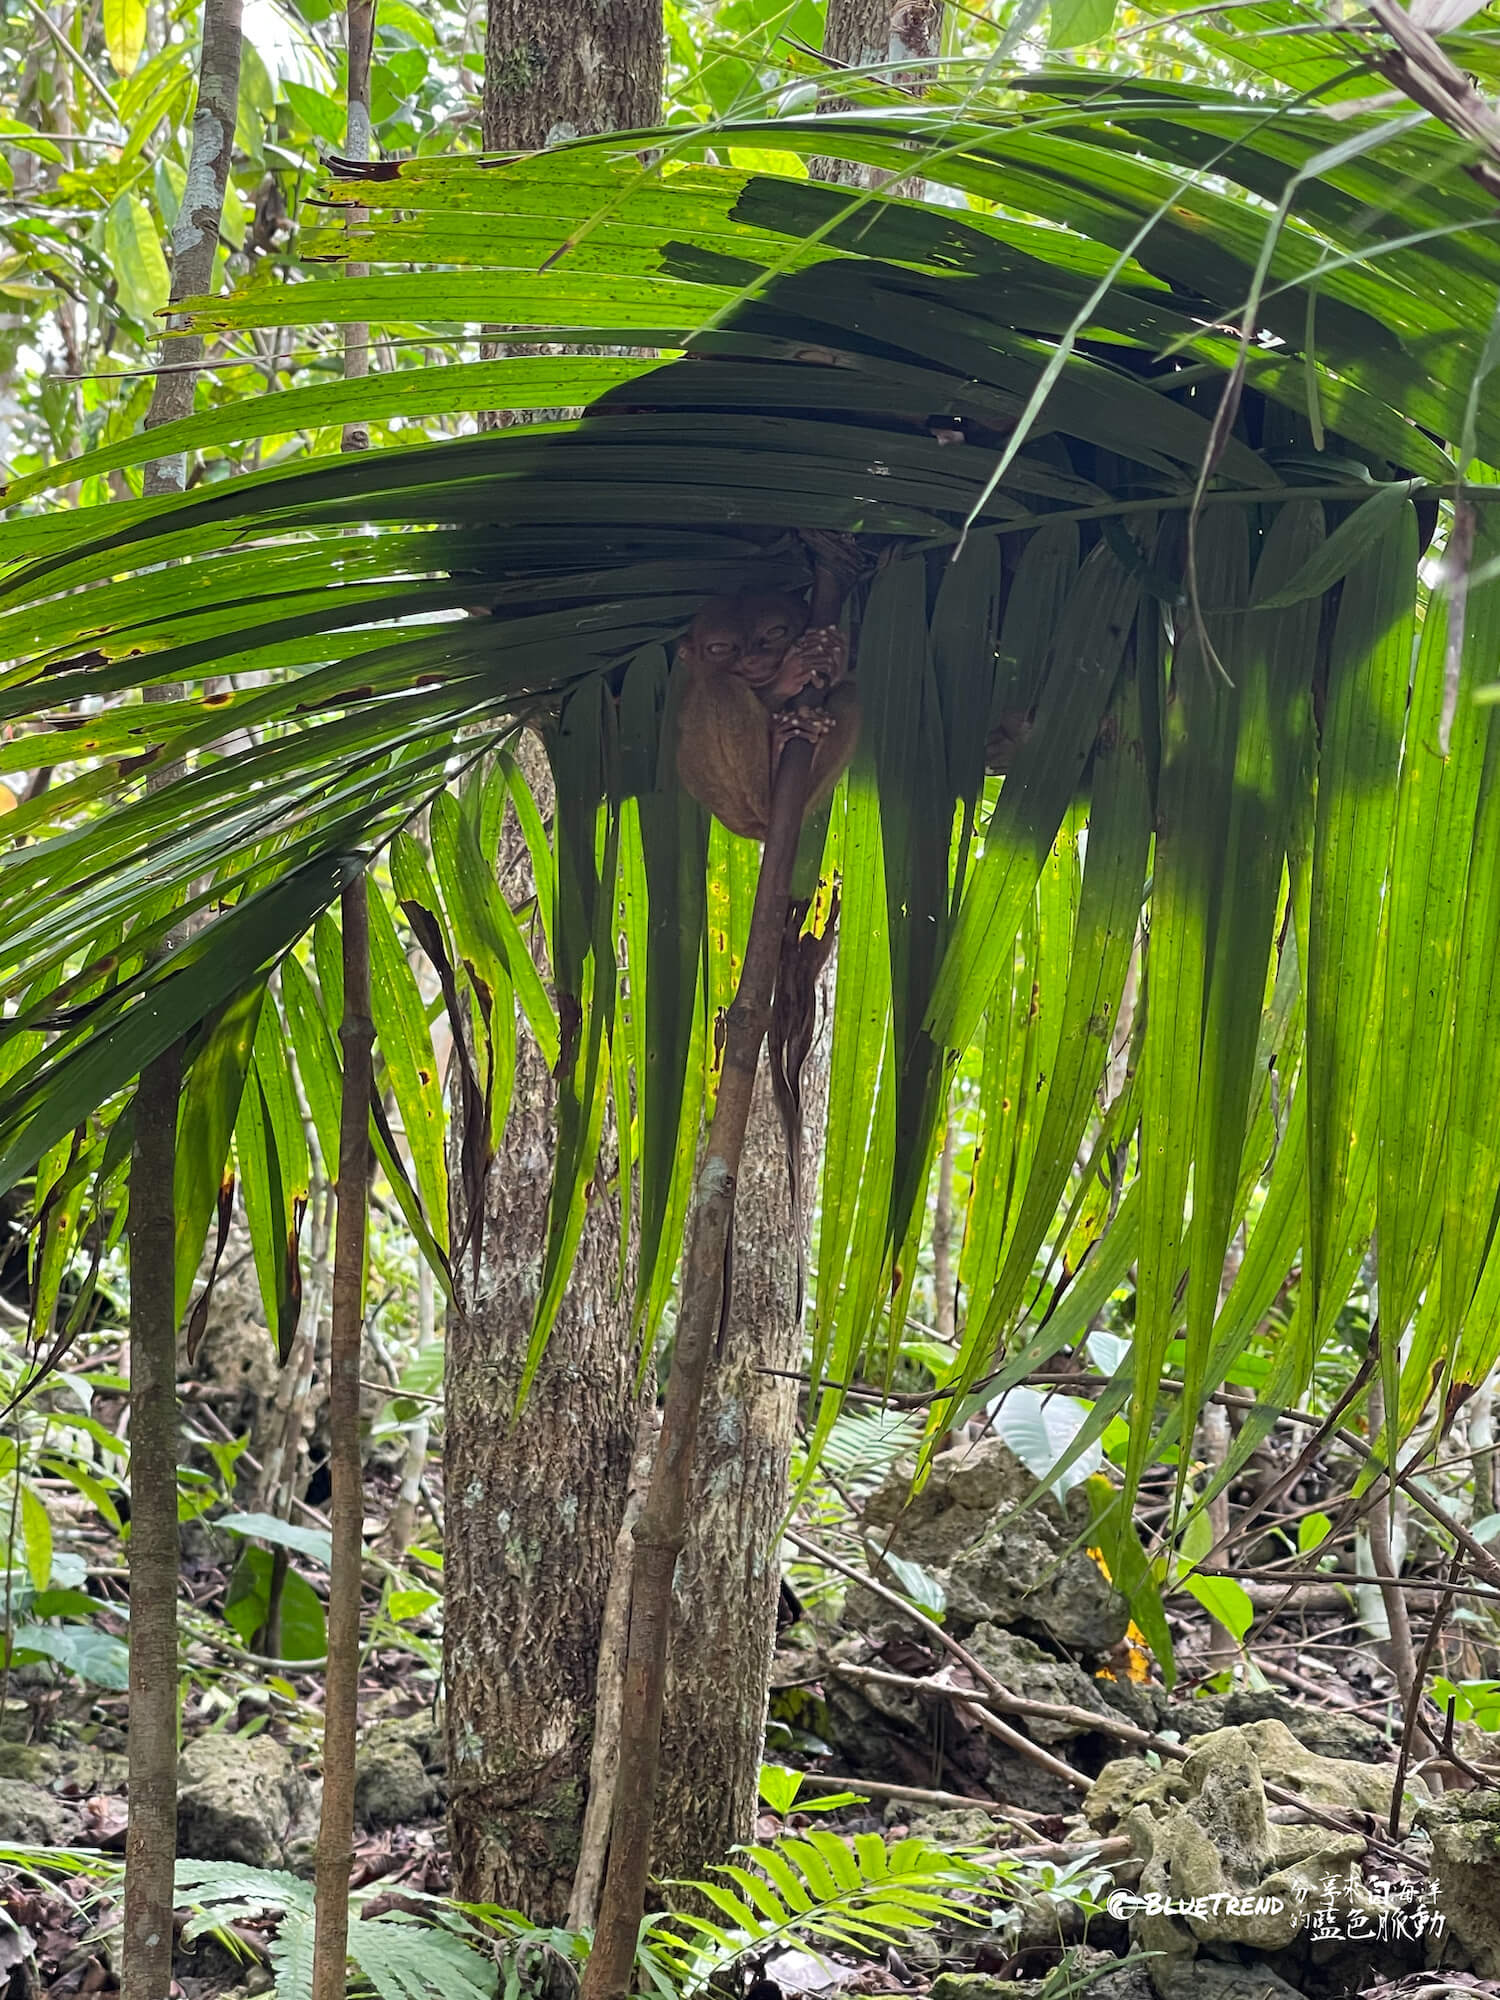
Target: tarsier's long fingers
{"points": [[817, 659], [811, 725]]}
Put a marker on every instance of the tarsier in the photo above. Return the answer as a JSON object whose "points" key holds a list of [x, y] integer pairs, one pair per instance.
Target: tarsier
{"points": [[746, 659]]}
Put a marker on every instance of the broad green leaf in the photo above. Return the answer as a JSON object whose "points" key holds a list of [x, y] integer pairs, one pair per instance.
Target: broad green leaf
{"points": [[1369, 670], [135, 253], [1274, 670], [1435, 837], [313, 1542], [1225, 1601], [36, 1537], [1087, 649], [124, 33], [303, 1629], [1333, 558], [93, 1656], [1198, 762], [1076, 22]]}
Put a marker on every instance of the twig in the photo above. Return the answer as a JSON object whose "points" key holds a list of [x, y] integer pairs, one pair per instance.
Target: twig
{"points": [[1011, 1737], [1414, 1704], [823, 1781], [1083, 1719]]}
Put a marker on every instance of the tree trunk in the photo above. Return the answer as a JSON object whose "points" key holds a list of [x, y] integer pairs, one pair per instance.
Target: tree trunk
{"points": [[533, 1507], [551, 72], [858, 34], [195, 234], [151, 1834], [728, 1576], [661, 1532], [335, 1857]]}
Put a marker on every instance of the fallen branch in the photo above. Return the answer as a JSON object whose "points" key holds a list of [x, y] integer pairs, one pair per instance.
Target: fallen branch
{"points": [[822, 1781], [1083, 1719], [1012, 1738]]}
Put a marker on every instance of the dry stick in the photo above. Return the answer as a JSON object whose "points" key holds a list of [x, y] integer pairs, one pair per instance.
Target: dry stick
{"points": [[824, 1781], [1415, 1705], [341, 1686], [151, 1835], [335, 1856], [660, 1531], [1083, 1719]]}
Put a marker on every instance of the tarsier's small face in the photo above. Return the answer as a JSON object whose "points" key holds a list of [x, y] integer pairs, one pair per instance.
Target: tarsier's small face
{"points": [[747, 635]]}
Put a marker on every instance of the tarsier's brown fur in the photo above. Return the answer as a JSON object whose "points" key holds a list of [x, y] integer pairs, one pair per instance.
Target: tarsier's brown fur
{"points": [[746, 659]]}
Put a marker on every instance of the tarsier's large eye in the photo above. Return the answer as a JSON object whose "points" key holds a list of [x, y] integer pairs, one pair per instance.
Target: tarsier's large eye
{"points": [[776, 632], [720, 649]]}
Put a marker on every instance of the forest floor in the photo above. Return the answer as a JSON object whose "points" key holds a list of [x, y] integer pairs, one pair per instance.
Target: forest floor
{"points": [[864, 1700], [1019, 1717]]}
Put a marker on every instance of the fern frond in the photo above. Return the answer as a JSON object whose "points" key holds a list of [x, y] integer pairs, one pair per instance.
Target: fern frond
{"points": [[399, 1956], [813, 1888], [402, 1957], [292, 1956]]}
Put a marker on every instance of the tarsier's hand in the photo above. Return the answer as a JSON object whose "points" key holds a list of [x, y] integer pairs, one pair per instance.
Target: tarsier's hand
{"points": [[818, 659], [788, 724]]}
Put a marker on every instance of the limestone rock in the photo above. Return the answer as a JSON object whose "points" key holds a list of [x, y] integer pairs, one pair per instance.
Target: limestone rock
{"points": [[1204, 1835], [391, 1788], [1218, 1979], [945, 1826], [1326, 1732], [1140, 1702], [1021, 1665], [31, 1761], [1107, 1977], [997, 1564], [238, 1799], [29, 1814], [1465, 1831]]}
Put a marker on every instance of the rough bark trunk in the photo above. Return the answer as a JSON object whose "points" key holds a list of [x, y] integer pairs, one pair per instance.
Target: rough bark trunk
{"points": [[858, 34], [553, 72], [195, 234], [533, 1508], [728, 1576], [151, 1835]]}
